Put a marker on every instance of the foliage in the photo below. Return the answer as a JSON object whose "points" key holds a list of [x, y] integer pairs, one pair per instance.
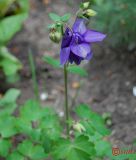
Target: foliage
{"points": [[12, 13], [116, 17], [42, 132]]}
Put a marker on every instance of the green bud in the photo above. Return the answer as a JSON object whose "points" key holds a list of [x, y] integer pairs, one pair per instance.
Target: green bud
{"points": [[90, 13], [55, 36], [85, 5], [56, 32], [79, 127]]}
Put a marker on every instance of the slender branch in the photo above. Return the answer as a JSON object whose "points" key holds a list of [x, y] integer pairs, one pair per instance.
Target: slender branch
{"points": [[66, 100]]}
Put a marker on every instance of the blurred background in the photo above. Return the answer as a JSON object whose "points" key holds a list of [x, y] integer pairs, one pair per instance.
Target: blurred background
{"points": [[110, 88]]}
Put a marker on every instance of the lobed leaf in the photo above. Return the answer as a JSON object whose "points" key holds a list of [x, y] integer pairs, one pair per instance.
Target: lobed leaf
{"points": [[28, 149], [54, 17], [78, 149], [94, 120], [66, 17]]}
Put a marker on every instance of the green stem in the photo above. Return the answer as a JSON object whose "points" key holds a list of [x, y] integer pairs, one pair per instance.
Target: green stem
{"points": [[66, 100], [33, 71]]}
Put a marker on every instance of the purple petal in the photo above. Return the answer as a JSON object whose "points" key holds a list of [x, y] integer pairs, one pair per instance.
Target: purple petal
{"points": [[79, 26], [75, 58], [81, 50], [66, 38], [93, 36], [89, 56], [64, 55]]}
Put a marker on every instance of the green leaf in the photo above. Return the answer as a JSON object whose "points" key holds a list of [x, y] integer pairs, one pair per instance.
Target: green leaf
{"points": [[102, 147], [23, 126], [28, 149], [4, 147], [15, 23], [10, 97], [66, 17], [55, 63], [77, 70], [83, 111], [31, 111], [54, 17], [95, 121], [51, 126], [79, 149], [15, 155], [8, 62], [8, 102], [24, 5], [7, 129]]}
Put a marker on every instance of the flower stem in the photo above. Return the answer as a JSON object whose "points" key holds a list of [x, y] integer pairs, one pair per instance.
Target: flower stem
{"points": [[66, 99]]}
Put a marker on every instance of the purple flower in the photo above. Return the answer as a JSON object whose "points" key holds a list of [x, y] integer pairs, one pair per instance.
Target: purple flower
{"points": [[75, 45]]}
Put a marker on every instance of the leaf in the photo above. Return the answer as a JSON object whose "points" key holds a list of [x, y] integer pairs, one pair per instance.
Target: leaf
{"points": [[8, 102], [4, 147], [8, 62], [28, 149], [10, 97], [102, 147], [54, 17], [31, 111], [77, 70], [51, 126], [15, 23], [83, 111], [24, 5], [55, 63], [66, 17], [23, 126], [7, 129], [79, 149], [15, 155], [95, 121]]}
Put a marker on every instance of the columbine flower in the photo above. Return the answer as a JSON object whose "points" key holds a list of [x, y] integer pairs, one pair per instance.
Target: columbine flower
{"points": [[75, 45]]}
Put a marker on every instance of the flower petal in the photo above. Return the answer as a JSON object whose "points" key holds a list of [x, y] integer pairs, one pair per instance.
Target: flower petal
{"points": [[79, 26], [75, 58], [93, 36], [64, 55], [66, 38], [81, 50], [89, 56]]}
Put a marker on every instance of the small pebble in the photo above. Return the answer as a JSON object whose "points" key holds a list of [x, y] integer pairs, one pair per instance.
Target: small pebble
{"points": [[61, 114], [44, 96]]}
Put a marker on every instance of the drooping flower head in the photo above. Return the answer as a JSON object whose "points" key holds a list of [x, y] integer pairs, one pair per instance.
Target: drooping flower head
{"points": [[76, 42]]}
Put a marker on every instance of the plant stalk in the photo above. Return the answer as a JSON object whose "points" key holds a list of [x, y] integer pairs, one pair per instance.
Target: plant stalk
{"points": [[34, 78], [66, 99]]}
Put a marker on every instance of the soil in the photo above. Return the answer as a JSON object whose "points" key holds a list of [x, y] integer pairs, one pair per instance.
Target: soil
{"points": [[108, 88]]}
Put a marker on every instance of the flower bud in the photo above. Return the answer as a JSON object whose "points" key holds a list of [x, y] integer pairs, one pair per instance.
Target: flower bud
{"points": [[56, 32], [85, 5], [90, 13], [55, 36], [79, 127]]}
